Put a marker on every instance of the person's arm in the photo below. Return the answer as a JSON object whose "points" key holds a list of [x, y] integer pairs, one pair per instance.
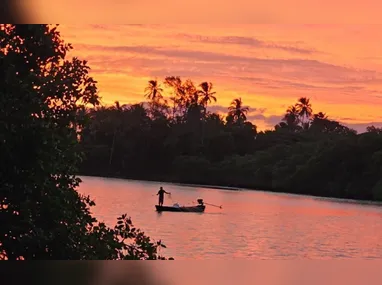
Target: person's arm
{"points": [[167, 192]]}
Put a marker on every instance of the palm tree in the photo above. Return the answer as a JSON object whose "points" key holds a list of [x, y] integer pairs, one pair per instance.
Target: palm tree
{"points": [[305, 110], [320, 123], [154, 91], [237, 111], [320, 115], [304, 107], [206, 94], [292, 116], [118, 109], [193, 104]]}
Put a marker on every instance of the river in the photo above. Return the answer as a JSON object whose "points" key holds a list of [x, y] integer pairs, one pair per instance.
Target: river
{"points": [[250, 225]]}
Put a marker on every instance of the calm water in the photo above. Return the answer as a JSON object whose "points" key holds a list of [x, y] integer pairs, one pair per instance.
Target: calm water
{"points": [[251, 224]]}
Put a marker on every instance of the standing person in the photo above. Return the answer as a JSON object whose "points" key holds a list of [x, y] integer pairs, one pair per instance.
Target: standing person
{"points": [[161, 195]]}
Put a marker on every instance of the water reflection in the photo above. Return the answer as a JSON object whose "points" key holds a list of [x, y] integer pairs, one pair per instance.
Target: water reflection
{"points": [[250, 225]]}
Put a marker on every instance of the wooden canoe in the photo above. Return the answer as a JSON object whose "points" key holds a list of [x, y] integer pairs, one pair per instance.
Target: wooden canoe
{"points": [[195, 209]]}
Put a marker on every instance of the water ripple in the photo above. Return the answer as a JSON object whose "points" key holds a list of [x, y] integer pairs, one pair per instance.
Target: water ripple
{"points": [[252, 224]]}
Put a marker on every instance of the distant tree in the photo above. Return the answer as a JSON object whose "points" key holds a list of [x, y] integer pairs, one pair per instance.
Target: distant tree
{"points": [[373, 129], [154, 91], [175, 83], [321, 124], [237, 111], [185, 99], [320, 115], [190, 94], [207, 95], [158, 110], [290, 121], [292, 116], [305, 111], [116, 115]]}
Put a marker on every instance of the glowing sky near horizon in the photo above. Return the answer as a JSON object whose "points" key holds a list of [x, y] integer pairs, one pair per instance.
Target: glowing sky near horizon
{"points": [[339, 67]]}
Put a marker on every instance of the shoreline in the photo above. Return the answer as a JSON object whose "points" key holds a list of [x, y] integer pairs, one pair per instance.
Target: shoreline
{"points": [[168, 181], [209, 186], [238, 189]]}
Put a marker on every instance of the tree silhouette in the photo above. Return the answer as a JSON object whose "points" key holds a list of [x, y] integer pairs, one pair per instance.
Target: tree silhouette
{"points": [[305, 111], [292, 116], [303, 148], [154, 91], [373, 129], [237, 111], [176, 84], [117, 109], [320, 115], [42, 214], [206, 93]]}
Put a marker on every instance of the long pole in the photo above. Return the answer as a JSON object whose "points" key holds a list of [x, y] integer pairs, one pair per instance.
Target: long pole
{"points": [[214, 205]]}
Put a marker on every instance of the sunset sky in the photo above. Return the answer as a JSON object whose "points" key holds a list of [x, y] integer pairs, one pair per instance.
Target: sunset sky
{"points": [[339, 67]]}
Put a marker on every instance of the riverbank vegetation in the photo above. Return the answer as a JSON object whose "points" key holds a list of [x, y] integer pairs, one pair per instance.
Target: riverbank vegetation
{"points": [[174, 137], [42, 100]]}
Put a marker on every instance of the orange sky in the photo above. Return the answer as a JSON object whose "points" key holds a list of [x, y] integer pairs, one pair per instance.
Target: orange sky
{"points": [[338, 66]]}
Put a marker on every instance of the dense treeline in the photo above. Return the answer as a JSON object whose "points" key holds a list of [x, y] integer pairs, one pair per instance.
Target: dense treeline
{"points": [[174, 137]]}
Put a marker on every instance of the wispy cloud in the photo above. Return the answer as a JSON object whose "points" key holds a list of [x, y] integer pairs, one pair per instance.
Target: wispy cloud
{"points": [[301, 69], [267, 122], [338, 67], [245, 41], [218, 109]]}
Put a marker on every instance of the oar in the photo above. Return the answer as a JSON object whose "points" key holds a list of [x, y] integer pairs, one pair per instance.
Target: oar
{"points": [[214, 205]]}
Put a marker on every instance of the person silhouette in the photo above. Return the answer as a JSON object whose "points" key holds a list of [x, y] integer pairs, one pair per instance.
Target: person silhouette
{"points": [[161, 193]]}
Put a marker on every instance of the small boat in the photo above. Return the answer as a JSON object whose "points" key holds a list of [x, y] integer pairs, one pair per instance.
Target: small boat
{"points": [[176, 208], [196, 209]]}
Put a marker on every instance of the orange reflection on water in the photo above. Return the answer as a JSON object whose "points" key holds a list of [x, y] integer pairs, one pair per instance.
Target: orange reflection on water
{"points": [[251, 224]]}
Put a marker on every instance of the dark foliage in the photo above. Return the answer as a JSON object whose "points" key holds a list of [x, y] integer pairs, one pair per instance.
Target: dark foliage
{"points": [[42, 100]]}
